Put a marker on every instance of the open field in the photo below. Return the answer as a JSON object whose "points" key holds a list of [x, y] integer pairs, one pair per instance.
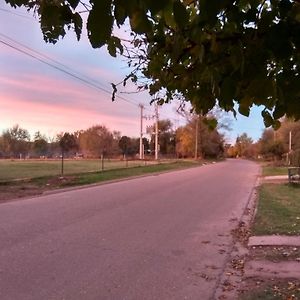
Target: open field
{"points": [[21, 169], [278, 210], [29, 187]]}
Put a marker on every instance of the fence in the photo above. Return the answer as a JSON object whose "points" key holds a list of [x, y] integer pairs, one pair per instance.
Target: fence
{"points": [[21, 169]]}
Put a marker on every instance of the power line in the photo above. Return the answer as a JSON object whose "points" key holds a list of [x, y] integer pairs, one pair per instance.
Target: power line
{"points": [[85, 81], [61, 67], [49, 58], [77, 75], [17, 14]]}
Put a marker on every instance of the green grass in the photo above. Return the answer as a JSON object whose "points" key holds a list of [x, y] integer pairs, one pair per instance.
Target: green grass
{"points": [[89, 178], [20, 169], [276, 290], [11, 189], [278, 210], [273, 171], [275, 254]]}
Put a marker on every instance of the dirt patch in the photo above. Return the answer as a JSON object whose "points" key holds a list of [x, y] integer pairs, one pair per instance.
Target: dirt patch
{"points": [[27, 188], [19, 191], [241, 233]]}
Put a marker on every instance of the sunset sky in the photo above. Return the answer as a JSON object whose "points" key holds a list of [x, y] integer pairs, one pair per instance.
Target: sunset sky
{"points": [[40, 97]]}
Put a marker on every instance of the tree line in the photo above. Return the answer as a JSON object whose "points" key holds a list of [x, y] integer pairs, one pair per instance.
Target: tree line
{"points": [[195, 139], [278, 145]]}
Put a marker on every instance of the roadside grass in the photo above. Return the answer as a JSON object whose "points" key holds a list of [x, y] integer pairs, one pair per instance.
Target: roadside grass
{"points": [[21, 169], [11, 189], [275, 253], [278, 210], [106, 175], [272, 290], [273, 171]]}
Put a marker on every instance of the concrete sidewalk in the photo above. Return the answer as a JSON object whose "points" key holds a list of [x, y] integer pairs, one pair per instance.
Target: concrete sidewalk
{"points": [[274, 240], [274, 178], [269, 269]]}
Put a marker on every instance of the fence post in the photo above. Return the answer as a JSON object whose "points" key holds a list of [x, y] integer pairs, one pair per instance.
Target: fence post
{"points": [[62, 163], [102, 161]]}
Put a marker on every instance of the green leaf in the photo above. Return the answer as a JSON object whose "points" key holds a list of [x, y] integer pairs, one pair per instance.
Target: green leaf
{"points": [[211, 123], [228, 89], [156, 6], [100, 23], [113, 97], [120, 12], [169, 17], [181, 15], [276, 125], [279, 111], [78, 25], [113, 44], [53, 20], [278, 41], [268, 120], [73, 3], [139, 22], [244, 109], [209, 10]]}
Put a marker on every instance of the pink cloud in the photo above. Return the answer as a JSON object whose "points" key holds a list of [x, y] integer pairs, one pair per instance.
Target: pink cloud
{"points": [[45, 117]]}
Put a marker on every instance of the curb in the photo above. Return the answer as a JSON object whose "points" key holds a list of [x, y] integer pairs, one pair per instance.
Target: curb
{"points": [[80, 187], [231, 278]]}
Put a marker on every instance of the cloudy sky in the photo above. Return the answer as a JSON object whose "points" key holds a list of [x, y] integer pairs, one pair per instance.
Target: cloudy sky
{"points": [[66, 86]]}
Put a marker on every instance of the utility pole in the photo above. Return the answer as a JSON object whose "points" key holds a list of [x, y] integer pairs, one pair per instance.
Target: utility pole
{"points": [[196, 137], [290, 147], [141, 132], [156, 132]]}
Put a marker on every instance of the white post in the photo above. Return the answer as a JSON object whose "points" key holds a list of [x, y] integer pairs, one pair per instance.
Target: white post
{"points": [[290, 147], [141, 132], [156, 132], [196, 138]]}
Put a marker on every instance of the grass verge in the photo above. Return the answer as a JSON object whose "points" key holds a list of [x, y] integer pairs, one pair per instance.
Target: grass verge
{"points": [[272, 290], [23, 188], [275, 253], [274, 171], [89, 178], [278, 210]]}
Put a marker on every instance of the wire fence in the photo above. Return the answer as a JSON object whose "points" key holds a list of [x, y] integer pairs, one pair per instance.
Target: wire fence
{"points": [[32, 168]]}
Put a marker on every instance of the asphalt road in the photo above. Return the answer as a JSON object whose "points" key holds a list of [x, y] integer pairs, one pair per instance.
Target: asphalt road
{"points": [[158, 237]]}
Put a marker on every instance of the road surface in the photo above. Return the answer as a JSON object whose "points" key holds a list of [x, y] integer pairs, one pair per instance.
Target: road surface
{"points": [[163, 237]]}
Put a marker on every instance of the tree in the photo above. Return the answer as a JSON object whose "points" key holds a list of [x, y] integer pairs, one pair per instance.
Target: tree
{"points": [[205, 52], [270, 147], [283, 133], [209, 141], [40, 144], [124, 145], [67, 142], [243, 145], [96, 141], [15, 141], [115, 144], [166, 137], [185, 141]]}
